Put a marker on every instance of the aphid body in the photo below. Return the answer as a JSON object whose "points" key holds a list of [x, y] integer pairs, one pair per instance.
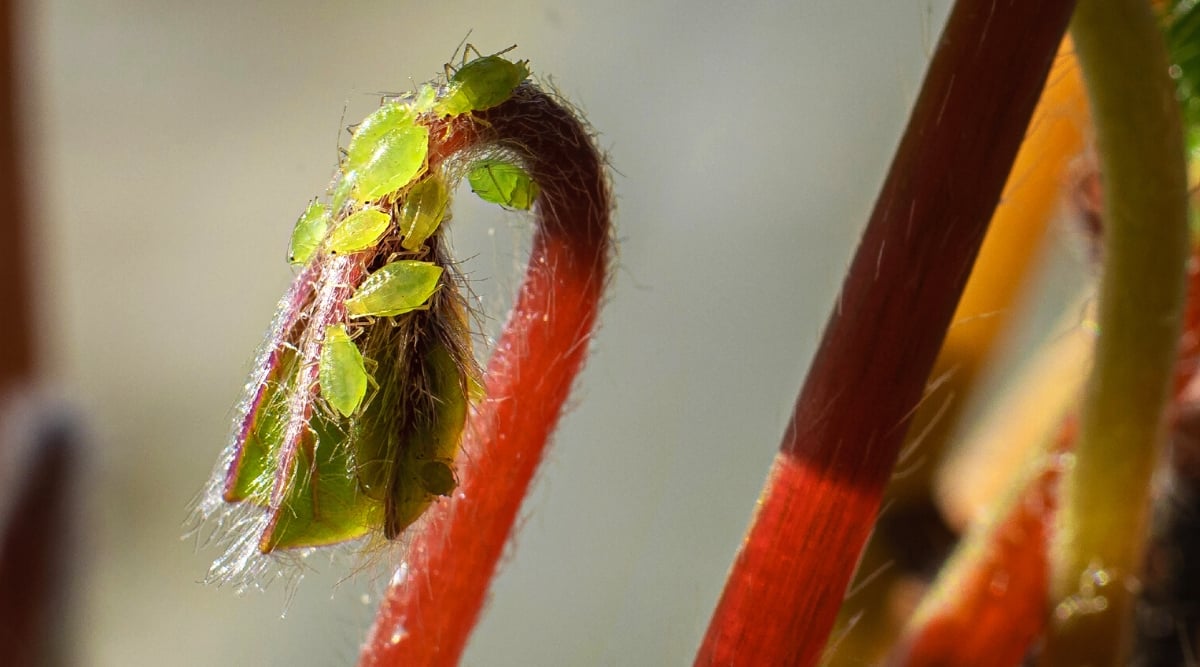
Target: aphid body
{"points": [[482, 84], [503, 183]]}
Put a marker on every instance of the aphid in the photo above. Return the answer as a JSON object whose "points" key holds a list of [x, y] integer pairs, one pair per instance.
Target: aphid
{"points": [[387, 151], [482, 84], [503, 183], [396, 288], [423, 210], [343, 375], [358, 231], [308, 232], [424, 99]]}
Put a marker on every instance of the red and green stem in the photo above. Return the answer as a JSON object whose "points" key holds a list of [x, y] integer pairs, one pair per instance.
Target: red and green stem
{"points": [[435, 600], [823, 492]]}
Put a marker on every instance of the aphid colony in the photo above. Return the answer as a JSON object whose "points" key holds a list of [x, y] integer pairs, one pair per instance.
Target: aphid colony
{"points": [[358, 399]]}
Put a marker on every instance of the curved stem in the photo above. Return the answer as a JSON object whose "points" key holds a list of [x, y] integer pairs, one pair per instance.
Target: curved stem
{"points": [[1103, 525], [823, 491], [433, 602]]}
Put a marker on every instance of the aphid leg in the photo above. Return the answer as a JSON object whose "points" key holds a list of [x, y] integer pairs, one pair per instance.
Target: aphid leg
{"points": [[310, 449], [456, 50], [467, 51], [372, 386]]}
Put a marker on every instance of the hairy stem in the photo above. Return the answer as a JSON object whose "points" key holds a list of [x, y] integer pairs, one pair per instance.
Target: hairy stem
{"points": [[1102, 528], [1001, 484], [436, 597], [823, 491]]}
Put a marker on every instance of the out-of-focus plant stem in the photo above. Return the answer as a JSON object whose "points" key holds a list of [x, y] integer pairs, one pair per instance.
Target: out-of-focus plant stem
{"points": [[987, 606], [823, 491], [35, 466], [1102, 526], [1031, 198], [17, 344]]}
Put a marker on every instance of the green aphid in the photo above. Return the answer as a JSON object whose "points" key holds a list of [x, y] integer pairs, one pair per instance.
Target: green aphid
{"points": [[423, 210], [503, 183], [482, 84], [343, 376], [359, 230], [387, 151], [308, 233], [396, 288], [424, 99], [341, 191]]}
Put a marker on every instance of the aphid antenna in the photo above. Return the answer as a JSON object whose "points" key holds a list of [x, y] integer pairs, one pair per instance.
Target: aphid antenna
{"points": [[471, 47], [451, 70], [407, 254], [342, 124], [399, 97], [460, 46]]}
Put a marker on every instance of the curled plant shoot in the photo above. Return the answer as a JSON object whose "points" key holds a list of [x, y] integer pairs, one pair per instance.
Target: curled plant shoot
{"points": [[365, 407]]}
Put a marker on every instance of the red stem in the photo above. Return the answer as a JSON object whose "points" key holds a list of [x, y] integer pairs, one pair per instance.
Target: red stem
{"points": [[435, 599], [994, 603], [17, 343], [823, 492]]}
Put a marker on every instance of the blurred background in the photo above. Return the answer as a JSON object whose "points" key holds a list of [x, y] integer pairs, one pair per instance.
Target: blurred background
{"points": [[169, 147]]}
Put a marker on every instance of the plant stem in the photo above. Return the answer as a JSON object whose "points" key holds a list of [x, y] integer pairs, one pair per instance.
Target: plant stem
{"points": [[1032, 199], [435, 599], [18, 345], [1103, 525], [823, 491], [986, 607], [40, 482]]}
